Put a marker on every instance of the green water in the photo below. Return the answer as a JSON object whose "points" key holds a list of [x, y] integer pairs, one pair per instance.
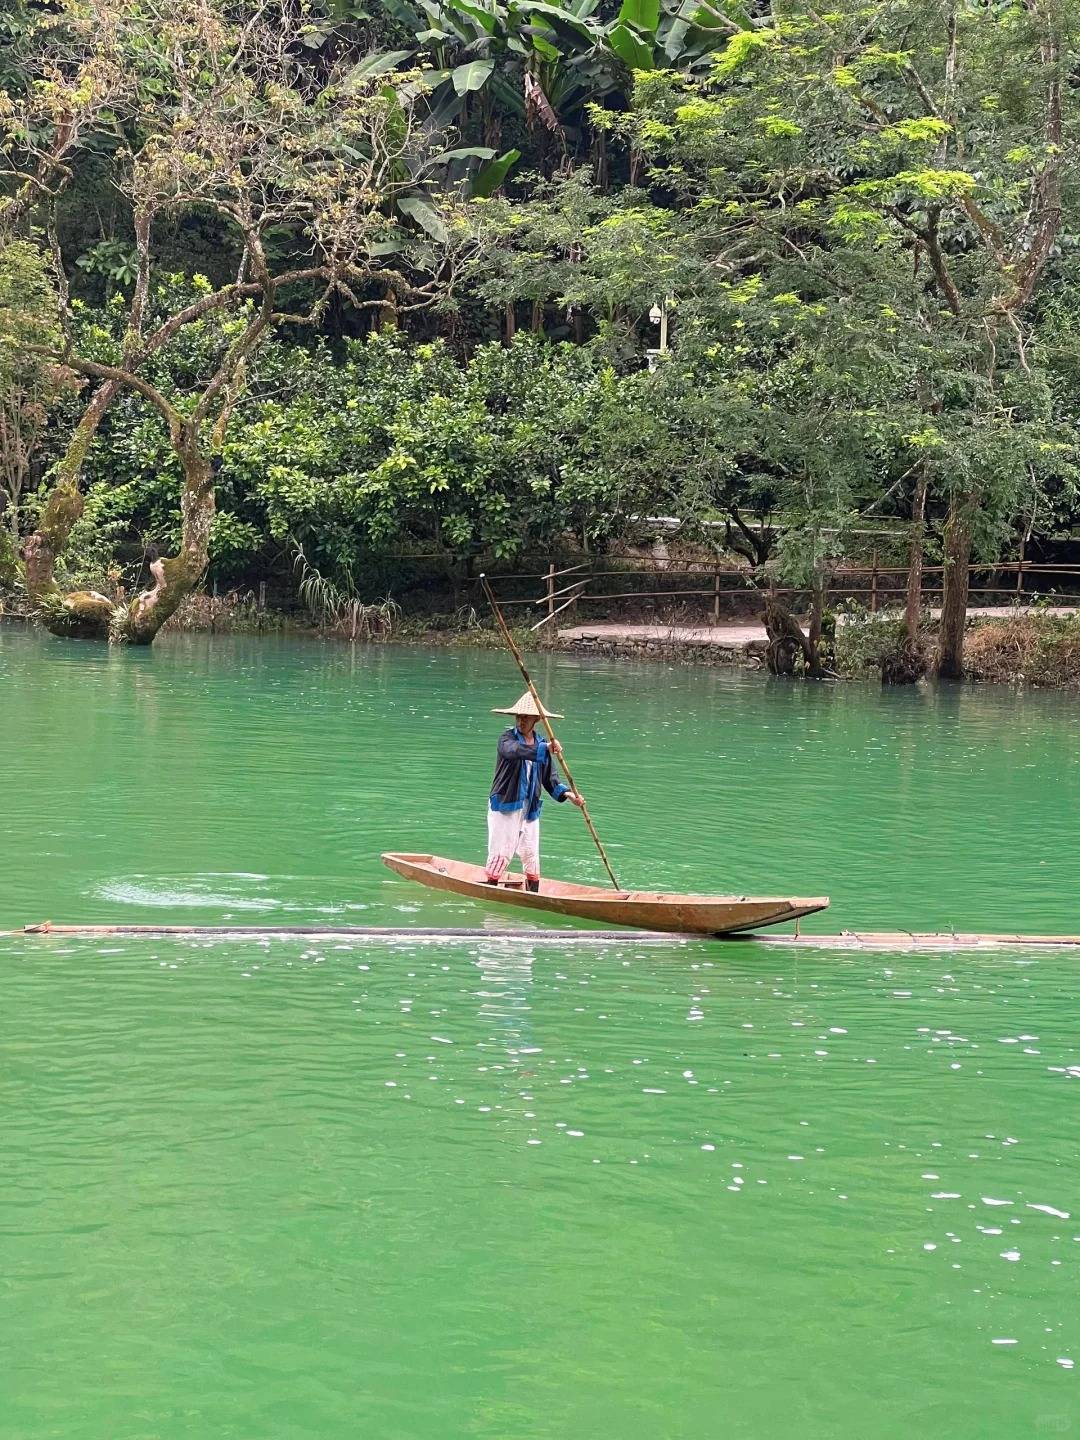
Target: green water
{"points": [[336, 1189]]}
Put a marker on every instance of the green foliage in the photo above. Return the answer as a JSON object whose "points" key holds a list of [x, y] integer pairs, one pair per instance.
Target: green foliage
{"points": [[398, 447], [28, 307], [410, 450], [492, 174], [18, 21], [867, 644], [740, 49], [31, 386], [611, 254], [632, 50], [873, 227], [541, 68], [340, 610], [114, 259], [837, 218], [9, 568]]}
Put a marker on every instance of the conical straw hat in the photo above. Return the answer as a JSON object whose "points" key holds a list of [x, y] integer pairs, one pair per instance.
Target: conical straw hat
{"points": [[526, 706]]}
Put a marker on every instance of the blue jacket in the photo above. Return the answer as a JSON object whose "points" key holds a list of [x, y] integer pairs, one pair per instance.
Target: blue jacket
{"points": [[514, 786]]}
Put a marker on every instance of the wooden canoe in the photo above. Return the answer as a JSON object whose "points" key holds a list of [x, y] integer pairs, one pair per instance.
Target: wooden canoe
{"points": [[646, 909]]}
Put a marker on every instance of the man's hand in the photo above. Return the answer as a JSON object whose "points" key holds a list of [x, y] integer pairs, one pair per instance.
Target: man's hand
{"points": [[555, 748], [576, 799]]}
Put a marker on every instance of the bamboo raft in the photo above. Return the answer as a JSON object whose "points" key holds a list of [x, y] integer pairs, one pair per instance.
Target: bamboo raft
{"points": [[869, 940]]}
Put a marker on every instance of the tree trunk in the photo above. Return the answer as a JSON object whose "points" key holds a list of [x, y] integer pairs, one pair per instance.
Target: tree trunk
{"points": [[954, 601], [178, 575], [913, 603], [492, 124], [787, 641], [600, 161], [83, 614], [905, 663], [817, 615], [387, 316]]}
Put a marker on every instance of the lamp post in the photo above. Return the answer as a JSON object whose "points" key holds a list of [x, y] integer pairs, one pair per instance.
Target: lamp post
{"points": [[658, 315]]}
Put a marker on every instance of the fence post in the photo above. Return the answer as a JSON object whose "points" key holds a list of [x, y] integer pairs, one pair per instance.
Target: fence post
{"points": [[262, 594], [716, 598], [873, 584], [551, 588], [1020, 567]]}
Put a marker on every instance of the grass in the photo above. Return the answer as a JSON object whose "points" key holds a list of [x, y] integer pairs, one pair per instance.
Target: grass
{"points": [[233, 613], [1025, 649], [339, 611]]}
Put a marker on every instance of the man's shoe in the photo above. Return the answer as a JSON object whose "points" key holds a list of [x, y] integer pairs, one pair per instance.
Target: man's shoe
{"points": [[532, 885]]}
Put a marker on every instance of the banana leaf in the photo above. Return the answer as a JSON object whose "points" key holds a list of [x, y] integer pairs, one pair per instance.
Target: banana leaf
{"points": [[377, 64], [486, 19], [675, 39], [490, 176], [426, 216], [708, 17], [404, 14], [642, 14], [509, 96], [630, 48], [380, 249], [466, 152], [559, 15], [473, 75]]}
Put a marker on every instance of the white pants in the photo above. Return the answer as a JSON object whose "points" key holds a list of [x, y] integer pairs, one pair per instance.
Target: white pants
{"points": [[510, 834]]}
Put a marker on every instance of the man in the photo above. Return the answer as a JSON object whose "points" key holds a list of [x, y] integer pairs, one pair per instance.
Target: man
{"points": [[524, 767]]}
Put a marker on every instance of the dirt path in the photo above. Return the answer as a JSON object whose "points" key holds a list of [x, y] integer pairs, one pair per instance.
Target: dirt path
{"points": [[739, 633], [726, 635]]}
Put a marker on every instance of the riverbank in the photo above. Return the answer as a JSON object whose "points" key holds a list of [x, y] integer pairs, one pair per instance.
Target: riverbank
{"points": [[1029, 646], [1032, 645], [1019, 646]]}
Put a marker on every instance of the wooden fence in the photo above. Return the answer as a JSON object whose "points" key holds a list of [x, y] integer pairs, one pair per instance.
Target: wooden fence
{"points": [[877, 584]]}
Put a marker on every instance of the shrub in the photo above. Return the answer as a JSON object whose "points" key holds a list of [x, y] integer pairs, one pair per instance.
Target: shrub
{"points": [[867, 643], [1032, 649]]}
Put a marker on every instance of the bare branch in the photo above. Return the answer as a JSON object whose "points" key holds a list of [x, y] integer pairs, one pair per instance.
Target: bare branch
{"points": [[120, 377], [939, 264]]}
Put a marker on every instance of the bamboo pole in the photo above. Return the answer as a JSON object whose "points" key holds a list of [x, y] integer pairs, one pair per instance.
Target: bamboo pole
{"points": [[547, 724], [564, 606], [873, 585]]}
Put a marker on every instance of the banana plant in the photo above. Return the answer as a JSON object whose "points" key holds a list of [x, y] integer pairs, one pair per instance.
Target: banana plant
{"points": [[541, 62], [415, 185], [649, 35]]}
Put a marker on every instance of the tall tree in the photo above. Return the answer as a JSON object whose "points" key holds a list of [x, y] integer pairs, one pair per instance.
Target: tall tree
{"points": [[908, 168], [203, 114]]}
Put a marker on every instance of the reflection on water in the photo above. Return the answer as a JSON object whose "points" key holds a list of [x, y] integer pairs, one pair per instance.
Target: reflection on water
{"points": [[506, 976], [189, 892]]}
